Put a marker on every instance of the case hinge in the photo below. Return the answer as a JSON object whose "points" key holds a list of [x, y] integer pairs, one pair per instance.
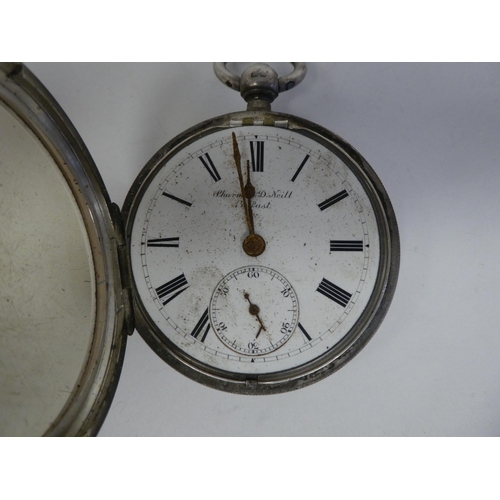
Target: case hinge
{"points": [[124, 265], [265, 120]]}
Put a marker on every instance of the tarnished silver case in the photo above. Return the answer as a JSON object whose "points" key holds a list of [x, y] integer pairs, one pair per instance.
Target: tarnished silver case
{"points": [[367, 324], [119, 307], [89, 400]]}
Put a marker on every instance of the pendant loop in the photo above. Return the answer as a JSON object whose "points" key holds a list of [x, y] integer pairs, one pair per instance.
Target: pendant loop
{"points": [[259, 84]]}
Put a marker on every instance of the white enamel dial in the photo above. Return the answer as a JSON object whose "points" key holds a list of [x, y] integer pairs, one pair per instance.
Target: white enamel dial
{"points": [[322, 240]]}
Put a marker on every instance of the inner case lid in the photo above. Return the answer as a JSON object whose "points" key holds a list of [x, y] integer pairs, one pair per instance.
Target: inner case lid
{"points": [[64, 314]]}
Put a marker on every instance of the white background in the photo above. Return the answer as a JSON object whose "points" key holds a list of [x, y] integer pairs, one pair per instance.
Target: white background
{"points": [[431, 132]]}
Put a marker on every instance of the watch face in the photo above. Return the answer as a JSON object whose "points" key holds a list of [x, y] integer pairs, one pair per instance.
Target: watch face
{"points": [[294, 303]]}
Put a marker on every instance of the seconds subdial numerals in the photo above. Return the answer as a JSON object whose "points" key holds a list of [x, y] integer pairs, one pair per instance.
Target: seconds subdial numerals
{"points": [[254, 310]]}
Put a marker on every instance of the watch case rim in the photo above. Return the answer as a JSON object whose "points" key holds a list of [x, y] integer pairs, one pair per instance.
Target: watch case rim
{"points": [[367, 324]]}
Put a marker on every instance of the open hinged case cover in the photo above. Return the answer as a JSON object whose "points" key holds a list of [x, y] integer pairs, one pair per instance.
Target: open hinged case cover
{"points": [[70, 263], [65, 314]]}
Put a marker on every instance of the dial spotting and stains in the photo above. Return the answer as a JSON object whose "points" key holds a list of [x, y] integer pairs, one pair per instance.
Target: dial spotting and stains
{"points": [[194, 274]]}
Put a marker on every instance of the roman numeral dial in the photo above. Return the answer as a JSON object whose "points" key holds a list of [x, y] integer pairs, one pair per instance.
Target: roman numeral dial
{"points": [[256, 251]]}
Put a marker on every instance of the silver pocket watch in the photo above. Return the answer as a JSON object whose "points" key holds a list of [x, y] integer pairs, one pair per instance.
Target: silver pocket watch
{"points": [[256, 253]]}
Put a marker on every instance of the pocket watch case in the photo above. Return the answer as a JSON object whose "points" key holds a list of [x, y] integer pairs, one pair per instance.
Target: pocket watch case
{"points": [[64, 310]]}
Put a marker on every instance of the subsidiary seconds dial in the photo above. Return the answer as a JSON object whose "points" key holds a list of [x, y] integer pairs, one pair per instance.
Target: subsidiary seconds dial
{"points": [[254, 310]]}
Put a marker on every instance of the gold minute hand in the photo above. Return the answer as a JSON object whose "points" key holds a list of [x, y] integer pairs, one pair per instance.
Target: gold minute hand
{"points": [[253, 245], [237, 160], [249, 194]]}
